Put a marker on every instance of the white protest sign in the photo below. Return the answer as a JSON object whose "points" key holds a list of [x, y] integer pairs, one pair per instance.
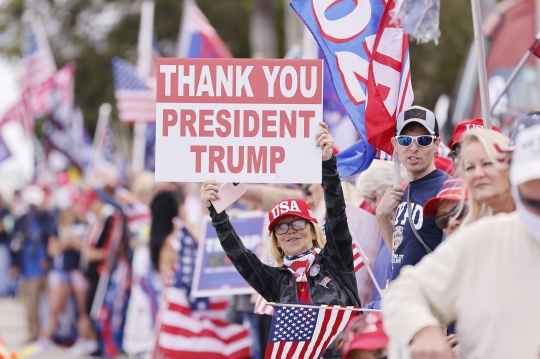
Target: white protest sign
{"points": [[238, 120]]}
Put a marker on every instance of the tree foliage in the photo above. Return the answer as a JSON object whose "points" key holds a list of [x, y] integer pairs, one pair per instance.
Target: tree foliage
{"points": [[90, 32]]}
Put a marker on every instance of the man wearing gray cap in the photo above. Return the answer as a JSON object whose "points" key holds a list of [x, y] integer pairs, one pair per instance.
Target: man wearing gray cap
{"points": [[485, 279], [400, 212]]}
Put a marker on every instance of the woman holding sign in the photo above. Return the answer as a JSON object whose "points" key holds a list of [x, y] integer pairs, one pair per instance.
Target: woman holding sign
{"points": [[308, 269]]}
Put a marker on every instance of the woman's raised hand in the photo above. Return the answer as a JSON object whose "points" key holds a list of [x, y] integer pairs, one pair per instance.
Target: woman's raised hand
{"points": [[325, 141], [209, 192]]}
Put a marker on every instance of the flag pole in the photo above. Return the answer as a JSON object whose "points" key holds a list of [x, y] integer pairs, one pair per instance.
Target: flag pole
{"points": [[144, 60], [481, 62], [517, 70], [353, 309]]}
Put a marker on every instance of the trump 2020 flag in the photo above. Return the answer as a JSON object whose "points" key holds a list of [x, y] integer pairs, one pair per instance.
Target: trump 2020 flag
{"points": [[306, 331], [198, 39], [368, 61]]}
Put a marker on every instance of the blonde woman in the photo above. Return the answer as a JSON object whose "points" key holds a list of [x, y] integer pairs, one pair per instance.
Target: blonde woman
{"points": [[483, 163], [308, 270]]}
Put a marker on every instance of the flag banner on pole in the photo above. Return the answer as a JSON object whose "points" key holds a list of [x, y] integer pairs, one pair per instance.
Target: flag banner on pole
{"points": [[389, 81], [198, 39], [182, 334], [368, 61], [36, 85], [299, 332], [135, 101], [111, 319]]}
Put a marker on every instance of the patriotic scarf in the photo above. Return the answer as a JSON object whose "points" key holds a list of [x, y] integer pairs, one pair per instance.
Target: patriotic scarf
{"points": [[299, 264]]}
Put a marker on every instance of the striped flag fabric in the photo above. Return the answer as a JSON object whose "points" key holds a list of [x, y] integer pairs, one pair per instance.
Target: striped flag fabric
{"points": [[358, 260], [261, 307], [305, 332], [135, 101], [198, 39], [184, 335], [36, 81]]}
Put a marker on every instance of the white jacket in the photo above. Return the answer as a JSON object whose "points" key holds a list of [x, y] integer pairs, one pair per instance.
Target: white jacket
{"points": [[486, 277]]}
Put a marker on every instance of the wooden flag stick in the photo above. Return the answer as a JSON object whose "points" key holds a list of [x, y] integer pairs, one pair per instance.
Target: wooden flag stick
{"points": [[274, 304]]}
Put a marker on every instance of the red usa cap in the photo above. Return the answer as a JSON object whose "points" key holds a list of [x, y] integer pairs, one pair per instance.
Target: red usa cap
{"points": [[290, 207], [452, 189], [462, 128], [365, 333]]}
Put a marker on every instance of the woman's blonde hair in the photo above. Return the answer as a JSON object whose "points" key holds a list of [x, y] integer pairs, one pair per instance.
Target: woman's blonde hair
{"points": [[277, 253], [496, 146]]}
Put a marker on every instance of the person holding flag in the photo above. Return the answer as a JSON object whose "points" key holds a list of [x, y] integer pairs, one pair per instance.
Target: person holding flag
{"points": [[308, 269], [410, 234]]}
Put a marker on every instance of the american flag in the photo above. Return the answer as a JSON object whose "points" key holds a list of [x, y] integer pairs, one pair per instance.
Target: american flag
{"points": [[198, 39], [136, 102], [36, 81], [184, 335], [299, 332], [195, 326]]}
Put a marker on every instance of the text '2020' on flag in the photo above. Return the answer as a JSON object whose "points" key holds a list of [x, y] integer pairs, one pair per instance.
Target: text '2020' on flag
{"points": [[300, 332], [369, 62]]}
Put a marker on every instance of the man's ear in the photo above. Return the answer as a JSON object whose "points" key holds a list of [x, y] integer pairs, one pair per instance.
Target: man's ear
{"points": [[437, 144], [394, 142]]}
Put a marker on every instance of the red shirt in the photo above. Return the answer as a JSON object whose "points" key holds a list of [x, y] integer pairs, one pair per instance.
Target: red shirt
{"points": [[303, 292]]}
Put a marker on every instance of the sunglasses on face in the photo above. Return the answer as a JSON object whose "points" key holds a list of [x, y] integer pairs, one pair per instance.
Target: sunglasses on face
{"points": [[422, 141], [532, 203], [442, 221], [297, 225]]}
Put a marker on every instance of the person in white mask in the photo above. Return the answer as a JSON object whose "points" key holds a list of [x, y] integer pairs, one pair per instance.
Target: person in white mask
{"points": [[486, 279]]}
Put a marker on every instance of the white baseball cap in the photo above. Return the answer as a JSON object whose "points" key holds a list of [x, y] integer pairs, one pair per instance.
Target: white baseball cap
{"points": [[526, 157], [419, 115]]}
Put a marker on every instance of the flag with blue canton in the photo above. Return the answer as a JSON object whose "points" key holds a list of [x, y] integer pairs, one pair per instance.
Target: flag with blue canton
{"points": [[135, 100], [305, 331]]}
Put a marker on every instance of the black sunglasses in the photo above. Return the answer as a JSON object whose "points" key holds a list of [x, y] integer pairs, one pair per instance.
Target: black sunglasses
{"points": [[442, 221], [297, 225], [532, 203], [422, 141]]}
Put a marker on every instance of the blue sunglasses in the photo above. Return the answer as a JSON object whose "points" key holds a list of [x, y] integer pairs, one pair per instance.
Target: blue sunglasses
{"points": [[422, 141]]}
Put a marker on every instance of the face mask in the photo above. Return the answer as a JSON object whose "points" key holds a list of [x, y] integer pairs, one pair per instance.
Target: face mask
{"points": [[530, 220]]}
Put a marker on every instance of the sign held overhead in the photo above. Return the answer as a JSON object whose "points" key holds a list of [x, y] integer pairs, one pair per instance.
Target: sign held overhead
{"points": [[241, 120]]}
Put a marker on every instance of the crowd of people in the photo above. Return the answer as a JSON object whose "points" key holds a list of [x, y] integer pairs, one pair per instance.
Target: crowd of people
{"points": [[454, 271]]}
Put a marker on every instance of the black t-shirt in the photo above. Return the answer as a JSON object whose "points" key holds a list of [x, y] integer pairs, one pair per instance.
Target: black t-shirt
{"points": [[93, 267], [407, 248]]}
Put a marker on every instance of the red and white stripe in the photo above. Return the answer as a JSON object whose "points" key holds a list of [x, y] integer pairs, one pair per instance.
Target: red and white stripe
{"points": [[261, 307], [197, 20], [329, 324], [136, 105], [182, 335], [358, 260]]}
